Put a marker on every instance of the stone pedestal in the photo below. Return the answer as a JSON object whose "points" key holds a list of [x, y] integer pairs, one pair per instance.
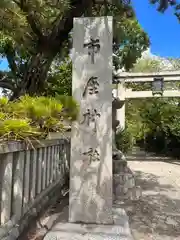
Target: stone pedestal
{"points": [[124, 187], [120, 230]]}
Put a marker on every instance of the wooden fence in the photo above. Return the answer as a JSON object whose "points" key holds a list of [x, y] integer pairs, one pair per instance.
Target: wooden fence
{"points": [[27, 177]]}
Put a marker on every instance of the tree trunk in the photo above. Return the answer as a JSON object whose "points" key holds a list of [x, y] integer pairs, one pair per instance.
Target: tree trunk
{"points": [[35, 75]]}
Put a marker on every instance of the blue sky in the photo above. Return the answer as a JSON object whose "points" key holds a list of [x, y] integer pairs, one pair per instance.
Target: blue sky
{"points": [[3, 65], [163, 30]]}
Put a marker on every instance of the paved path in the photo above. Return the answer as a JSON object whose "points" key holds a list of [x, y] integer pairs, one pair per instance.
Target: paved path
{"points": [[157, 215]]}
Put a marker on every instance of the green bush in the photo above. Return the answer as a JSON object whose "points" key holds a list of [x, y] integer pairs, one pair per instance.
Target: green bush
{"points": [[124, 140], [70, 107], [34, 117], [17, 129], [3, 103]]}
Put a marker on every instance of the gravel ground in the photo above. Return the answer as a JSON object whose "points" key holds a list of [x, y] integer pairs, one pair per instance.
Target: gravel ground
{"points": [[156, 215]]}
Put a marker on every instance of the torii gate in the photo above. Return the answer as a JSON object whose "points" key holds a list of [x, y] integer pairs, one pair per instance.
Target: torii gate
{"points": [[157, 79]]}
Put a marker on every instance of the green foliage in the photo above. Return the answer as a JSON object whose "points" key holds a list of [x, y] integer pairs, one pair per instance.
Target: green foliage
{"points": [[3, 103], [154, 121], [37, 108], [164, 4], [35, 33], [146, 65], [175, 63], [29, 28], [59, 82], [124, 140], [70, 107], [17, 129], [33, 117], [29, 18], [133, 41], [135, 107]]}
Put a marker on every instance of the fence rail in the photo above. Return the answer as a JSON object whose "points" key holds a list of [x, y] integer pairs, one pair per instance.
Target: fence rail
{"points": [[27, 176]]}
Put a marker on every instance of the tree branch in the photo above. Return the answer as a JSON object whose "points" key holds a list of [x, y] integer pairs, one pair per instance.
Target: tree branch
{"points": [[5, 82], [11, 55], [64, 25], [31, 18], [12, 64]]}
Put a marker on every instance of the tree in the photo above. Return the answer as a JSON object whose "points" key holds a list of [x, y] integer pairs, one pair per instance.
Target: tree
{"points": [[34, 33], [164, 4], [175, 63], [59, 82], [146, 65]]}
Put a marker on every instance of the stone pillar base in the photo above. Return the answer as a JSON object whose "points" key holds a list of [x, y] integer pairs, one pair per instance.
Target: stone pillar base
{"points": [[124, 187]]}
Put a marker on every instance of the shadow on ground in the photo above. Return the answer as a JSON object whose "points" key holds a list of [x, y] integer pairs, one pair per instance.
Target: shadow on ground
{"points": [[157, 213], [152, 158], [47, 219], [175, 162]]}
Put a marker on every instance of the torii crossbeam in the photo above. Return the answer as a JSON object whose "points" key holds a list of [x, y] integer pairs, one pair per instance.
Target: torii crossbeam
{"points": [[124, 93]]}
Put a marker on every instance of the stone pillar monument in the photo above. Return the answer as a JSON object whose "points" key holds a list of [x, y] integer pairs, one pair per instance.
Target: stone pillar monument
{"points": [[91, 143]]}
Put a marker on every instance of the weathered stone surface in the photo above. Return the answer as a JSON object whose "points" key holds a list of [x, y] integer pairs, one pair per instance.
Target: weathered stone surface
{"points": [[132, 194], [135, 193], [6, 170], [18, 184], [118, 178], [16, 146], [130, 183], [124, 186], [120, 190], [91, 143], [70, 231], [119, 166]]}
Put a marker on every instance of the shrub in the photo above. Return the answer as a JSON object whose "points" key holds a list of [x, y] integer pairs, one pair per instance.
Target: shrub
{"points": [[3, 102], [34, 117], [17, 129], [37, 107], [5, 106], [70, 107], [124, 140]]}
